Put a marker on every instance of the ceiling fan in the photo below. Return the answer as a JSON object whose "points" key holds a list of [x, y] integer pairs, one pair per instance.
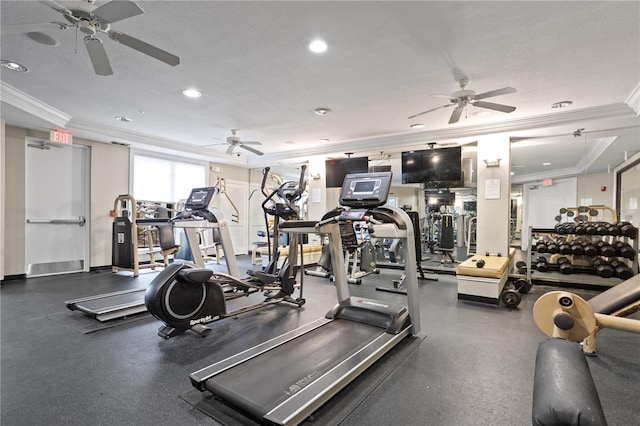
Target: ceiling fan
{"points": [[91, 23], [234, 141], [463, 97]]}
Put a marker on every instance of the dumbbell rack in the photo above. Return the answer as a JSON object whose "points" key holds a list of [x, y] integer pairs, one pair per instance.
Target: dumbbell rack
{"points": [[584, 278]]}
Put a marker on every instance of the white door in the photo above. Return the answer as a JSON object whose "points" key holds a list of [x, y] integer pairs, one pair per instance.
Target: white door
{"points": [[235, 209], [57, 194]]}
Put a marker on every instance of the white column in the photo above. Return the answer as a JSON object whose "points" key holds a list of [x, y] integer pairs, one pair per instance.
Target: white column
{"points": [[494, 194]]}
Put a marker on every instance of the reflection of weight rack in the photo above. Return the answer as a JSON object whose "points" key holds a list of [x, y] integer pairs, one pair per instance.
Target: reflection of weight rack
{"points": [[586, 213]]}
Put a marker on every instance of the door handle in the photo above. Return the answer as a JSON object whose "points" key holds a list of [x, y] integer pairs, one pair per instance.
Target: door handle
{"points": [[80, 221]]}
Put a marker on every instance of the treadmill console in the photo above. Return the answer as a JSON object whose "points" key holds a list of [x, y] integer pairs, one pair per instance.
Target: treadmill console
{"points": [[365, 190], [200, 198], [197, 204]]}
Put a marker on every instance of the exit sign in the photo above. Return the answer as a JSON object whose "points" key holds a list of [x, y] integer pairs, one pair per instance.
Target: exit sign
{"points": [[60, 136]]}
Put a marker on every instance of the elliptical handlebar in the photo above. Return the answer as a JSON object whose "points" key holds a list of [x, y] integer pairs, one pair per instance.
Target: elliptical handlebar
{"points": [[263, 185]]}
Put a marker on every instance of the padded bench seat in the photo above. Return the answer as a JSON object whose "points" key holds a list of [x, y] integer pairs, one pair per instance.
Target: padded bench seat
{"points": [[617, 297], [494, 267], [620, 300], [483, 284]]}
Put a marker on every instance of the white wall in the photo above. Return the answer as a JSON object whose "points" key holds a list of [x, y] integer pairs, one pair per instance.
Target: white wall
{"points": [[590, 190], [541, 204], [2, 191]]}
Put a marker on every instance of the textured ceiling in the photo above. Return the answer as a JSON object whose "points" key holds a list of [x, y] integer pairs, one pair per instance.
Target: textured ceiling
{"points": [[384, 63]]}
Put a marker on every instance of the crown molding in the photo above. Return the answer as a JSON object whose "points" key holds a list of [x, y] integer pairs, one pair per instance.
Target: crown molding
{"points": [[633, 100], [24, 102], [617, 110], [107, 134]]}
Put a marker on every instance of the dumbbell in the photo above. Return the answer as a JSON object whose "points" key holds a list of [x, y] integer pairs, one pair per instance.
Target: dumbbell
{"points": [[625, 250], [564, 247], [552, 247], [603, 268], [622, 270], [627, 229], [601, 228], [576, 248], [590, 229], [521, 266], [565, 265], [522, 285], [541, 246], [541, 264], [589, 248], [606, 249]]}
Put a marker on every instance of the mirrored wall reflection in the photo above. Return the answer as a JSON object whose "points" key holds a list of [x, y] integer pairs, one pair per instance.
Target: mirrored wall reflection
{"points": [[628, 183]]}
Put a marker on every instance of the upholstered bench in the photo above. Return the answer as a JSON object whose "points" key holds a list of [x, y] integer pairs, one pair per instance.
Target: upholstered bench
{"points": [[483, 284]]}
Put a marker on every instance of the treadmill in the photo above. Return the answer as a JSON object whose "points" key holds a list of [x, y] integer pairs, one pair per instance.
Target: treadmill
{"points": [[286, 379], [195, 215]]}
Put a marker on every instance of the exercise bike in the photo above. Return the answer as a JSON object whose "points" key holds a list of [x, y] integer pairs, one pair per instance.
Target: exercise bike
{"points": [[186, 297]]}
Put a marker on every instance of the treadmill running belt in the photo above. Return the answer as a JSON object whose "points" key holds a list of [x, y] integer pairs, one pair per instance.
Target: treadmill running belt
{"points": [[262, 383]]}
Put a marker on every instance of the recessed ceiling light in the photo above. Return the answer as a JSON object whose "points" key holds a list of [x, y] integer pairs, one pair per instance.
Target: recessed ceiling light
{"points": [[123, 119], [13, 66], [546, 164], [318, 46], [191, 93], [513, 173], [322, 111], [417, 126], [289, 142], [561, 104]]}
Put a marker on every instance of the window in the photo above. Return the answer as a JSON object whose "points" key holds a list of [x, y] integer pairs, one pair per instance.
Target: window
{"points": [[164, 179]]}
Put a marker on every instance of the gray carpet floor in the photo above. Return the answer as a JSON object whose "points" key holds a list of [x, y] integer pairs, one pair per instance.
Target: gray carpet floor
{"points": [[475, 365]]}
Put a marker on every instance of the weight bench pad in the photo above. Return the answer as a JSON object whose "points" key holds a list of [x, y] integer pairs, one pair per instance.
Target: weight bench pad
{"points": [[563, 389], [617, 297], [494, 267]]}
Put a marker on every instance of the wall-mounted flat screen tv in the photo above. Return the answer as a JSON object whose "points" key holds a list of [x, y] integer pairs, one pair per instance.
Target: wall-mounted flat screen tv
{"points": [[439, 198], [441, 165], [337, 169]]}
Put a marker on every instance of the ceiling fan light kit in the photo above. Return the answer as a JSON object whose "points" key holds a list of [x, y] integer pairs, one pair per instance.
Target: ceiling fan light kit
{"points": [[464, 97], [235, 142], [92, 23]]}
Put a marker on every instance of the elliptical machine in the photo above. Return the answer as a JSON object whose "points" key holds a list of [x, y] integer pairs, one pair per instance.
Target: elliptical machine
{"points": [[280, 204], [186, 297]]}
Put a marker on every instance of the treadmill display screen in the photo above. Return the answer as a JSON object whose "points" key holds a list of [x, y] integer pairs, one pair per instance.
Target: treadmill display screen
{"points": [[365, 186], [367, 190], [200, 198]]}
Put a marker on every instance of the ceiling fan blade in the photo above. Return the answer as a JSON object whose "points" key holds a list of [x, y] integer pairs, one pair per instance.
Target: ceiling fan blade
{"points": [[498, 92], [455, 115], [115, 11], [98, 56], [31, 28], [428, 111], [250, 143], [230, 149], [145, 48], [496, 107], [255, 151], [57, 7]]}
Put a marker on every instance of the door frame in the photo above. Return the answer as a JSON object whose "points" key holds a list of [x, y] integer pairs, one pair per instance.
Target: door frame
{"points": [[86, 195]]}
